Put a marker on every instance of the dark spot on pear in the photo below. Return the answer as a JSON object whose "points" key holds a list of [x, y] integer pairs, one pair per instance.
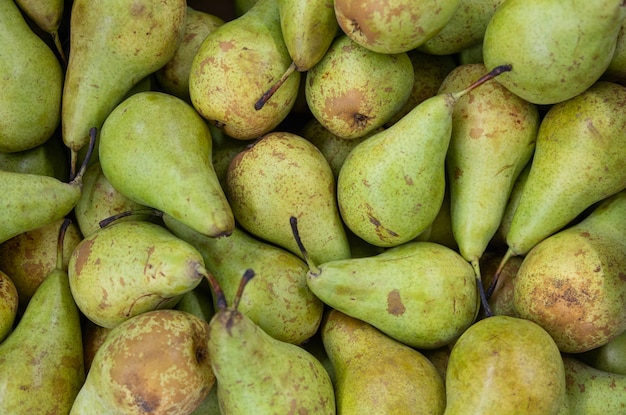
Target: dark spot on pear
{"points": [[394, 303]]}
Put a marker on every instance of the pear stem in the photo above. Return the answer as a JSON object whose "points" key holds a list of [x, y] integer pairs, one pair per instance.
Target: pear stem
{"points": [[496, 278], [107, 221], [78, 178], [60, 240], [220, 298], [268, 94], [488, 76], [293, 221], [247, 276], [481, 289], [57, 43]]}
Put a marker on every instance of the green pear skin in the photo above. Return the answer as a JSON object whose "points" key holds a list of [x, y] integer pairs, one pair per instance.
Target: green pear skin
{"points": [[376, 374], [572, 283], [504, 365], [131, 267], [47, 159], [176, 175], [420, 293], [31, 81], [578, 40], [155, 363], [610, 357]]}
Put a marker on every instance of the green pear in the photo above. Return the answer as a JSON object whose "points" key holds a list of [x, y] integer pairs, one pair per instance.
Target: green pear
{"points": [[471, 54], [283, 175], [504, 365], [391, 186], [610, 357], [242, 6], [616, 71], [31, 81], [173, 77], [592, 391], [154, 363], [8, 306], [577, 38], [376, 374], [141, 151], [500, 296], [130, 267], [235, 65], [198, 302], [132, 40], [224, 151], [440, 230], [47, 159], [578, 161], [393, 26], [278, 299], [259, 374], [572, 283], [353, 90], [42, 359], [47, 15]]}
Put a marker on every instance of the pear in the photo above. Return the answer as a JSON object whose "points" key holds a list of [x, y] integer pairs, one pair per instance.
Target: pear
{"points": [[283, 175], [501, 299], [130, 267], [225, 149], [610, 357], [198, 302], [177, 153], [278, 299], [93, 337], [258, 374], [353, 90], [155, 363], [376, 374], [42, 359], [440, 230], [393, 26], [30, 256], [133, 40], [47, 15], [47, 159], [577, 39], [616, 71], [592, 391], [572, 283], [420, 293], [235, 65], [31, 80], [8, 306], [505, 365], [391, 186], [173, 77], [578, 161]]}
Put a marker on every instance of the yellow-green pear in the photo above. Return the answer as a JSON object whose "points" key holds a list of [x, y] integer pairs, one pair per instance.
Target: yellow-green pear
{"points": [[376, 374], [610, 357], [505, 365], [557, 48], [47, 15], [8, 306], [31, 81], [164, 161]]}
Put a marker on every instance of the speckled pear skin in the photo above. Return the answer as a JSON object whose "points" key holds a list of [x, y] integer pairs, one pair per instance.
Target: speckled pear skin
{"points": [[8, 307], [31, 81], [129, 268], [578, 40], [501, 364], [156, 363], [420, 293], [572, 283], [376, 374], [577, 161]]}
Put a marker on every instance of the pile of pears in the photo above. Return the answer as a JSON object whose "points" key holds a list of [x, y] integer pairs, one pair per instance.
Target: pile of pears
{"points": [[313, 207]]}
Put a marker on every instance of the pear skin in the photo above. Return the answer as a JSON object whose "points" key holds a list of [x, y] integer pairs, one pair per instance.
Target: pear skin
{"points": [[8, 306], [610, 357], [47, 159]]}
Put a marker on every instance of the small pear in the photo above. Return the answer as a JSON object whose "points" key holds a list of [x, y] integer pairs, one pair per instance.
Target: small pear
{"points": [[572, 283], [31, 81], [155, 363], [130, 267], [165, 162], [610, 357], [376, 374], [504, 365], [353, 90], [283, 175], [42, 359], [132, 41], [258, 374], [8, 306], [577, 38], [47, 15]]}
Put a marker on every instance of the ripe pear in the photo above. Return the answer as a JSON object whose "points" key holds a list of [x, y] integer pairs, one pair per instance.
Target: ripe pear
{"points": [[132, 41], [577, 39], [31, 80], [610, 357], [505, 365], [155, 363], [376, 374], [393, 26], [47, 159], [42, 359], [391, 186], [47, 15], [283, 175], [8, 306], [130, 267], [278, 299], [176, 152], [235, 65], [572, 283], [258, 374], [353, 90]]}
